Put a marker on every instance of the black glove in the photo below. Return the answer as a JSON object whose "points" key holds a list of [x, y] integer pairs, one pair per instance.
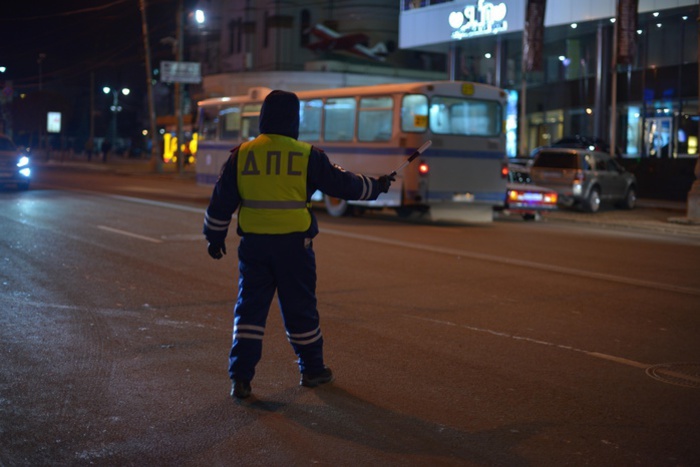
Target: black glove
{"points": [[384, 182], [217, 250]]}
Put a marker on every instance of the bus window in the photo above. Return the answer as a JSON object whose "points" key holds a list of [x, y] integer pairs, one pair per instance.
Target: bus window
{"points": [[231, 124], [310, 120], [458, 116], [414, 113], [339, 124], [374, 119], [208, 123], [250, 119]]}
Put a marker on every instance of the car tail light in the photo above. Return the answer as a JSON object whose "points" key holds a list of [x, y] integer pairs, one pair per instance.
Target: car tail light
{"points": [[423, 168], [504, 170]]}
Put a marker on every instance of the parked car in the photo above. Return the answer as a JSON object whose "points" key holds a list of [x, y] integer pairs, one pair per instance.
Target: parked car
{"points": [[14, 165], [584, 177], [524, 198], [585, 142]]}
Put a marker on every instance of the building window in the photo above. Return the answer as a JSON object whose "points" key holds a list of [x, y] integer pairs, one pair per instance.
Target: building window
{"points": [[305, 28], [231, 36]]}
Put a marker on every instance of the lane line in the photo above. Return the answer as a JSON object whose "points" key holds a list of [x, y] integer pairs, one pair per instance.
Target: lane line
{"points": [[612, 358], [129, 234], [161, 204], [520, 263], [462, 253]]}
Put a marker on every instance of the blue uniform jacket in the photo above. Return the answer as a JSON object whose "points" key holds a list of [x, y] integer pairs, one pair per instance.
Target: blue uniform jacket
{"points": [[322, 175]]}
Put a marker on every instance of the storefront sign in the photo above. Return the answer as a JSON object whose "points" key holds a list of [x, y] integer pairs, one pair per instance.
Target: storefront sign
{"points": [[478, 20]]}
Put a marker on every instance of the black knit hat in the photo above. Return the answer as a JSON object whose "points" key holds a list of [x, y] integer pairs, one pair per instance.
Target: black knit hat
{"points": [[279, 114]]}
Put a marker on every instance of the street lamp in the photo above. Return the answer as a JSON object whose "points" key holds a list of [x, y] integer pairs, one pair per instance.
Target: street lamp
{"points": [[199, 16], [115, 107]]}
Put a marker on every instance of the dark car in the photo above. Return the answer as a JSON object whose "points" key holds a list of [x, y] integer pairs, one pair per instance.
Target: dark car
{"points": [[524, 198], [14, 165], [584, 177]]}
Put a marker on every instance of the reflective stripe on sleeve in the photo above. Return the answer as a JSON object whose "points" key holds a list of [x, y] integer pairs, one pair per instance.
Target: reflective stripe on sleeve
{"points": [[366, 188], [214, 224]]}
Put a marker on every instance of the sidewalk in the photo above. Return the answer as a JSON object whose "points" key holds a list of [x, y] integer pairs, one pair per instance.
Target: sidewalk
{"points": [[117, 164]]}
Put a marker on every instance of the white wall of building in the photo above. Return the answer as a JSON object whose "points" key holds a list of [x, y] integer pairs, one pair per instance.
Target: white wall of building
{"points": [[429, 28]]}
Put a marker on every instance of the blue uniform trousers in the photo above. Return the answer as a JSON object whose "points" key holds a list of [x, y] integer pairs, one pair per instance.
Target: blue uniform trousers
{"points": [[286, 264]]}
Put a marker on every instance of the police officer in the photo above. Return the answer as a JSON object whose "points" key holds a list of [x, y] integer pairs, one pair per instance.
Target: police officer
{"points": [[270, 181]]}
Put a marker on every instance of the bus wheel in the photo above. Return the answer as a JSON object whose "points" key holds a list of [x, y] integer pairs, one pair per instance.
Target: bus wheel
{"points": [[336, 207]]}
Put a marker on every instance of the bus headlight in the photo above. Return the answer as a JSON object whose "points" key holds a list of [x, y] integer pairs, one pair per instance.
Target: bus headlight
{"points": [[23, 161]]}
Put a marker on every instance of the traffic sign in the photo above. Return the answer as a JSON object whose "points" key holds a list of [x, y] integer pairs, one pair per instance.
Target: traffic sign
{"points": [[180, 72]]}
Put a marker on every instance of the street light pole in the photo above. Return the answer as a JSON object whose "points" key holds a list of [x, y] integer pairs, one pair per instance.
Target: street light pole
{"points": [[115, 107]]}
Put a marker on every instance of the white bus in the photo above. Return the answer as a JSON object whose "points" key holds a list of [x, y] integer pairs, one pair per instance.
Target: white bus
{"points": [[373, 129]]}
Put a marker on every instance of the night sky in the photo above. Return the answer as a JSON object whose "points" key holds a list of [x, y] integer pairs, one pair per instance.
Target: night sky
{"points": [[78, 37]]}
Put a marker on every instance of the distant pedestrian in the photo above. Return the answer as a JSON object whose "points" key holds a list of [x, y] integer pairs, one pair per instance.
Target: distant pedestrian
{"points": [[270, 181], [106, 147]]}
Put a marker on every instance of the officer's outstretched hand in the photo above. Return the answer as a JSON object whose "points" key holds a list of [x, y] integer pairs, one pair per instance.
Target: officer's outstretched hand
{"points": [[385, 182], [217, 250]]}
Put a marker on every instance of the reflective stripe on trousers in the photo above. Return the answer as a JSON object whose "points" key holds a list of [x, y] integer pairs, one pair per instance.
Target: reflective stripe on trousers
{"points": [[282, 264]]}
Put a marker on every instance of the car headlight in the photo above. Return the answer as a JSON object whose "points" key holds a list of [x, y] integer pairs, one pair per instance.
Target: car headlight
{"points": [[23, 161]]}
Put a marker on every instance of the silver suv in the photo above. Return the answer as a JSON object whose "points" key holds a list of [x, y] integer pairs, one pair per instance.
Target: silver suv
{"points": [[583, 177]]}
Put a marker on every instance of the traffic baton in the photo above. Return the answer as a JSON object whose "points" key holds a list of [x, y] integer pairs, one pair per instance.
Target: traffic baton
{"points": [[417, 153]]}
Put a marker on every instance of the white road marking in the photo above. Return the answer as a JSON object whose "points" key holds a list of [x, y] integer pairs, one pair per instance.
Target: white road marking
{"points": [[161, 204], [612, 358], [463, 253], [129, 234], [518, 262]]}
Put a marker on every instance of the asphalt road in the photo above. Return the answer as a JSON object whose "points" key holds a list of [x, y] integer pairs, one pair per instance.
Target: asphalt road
{"points": [[548, 343]]}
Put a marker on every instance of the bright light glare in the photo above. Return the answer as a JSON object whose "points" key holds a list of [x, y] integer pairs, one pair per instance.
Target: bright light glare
{"points": [[106, 90], [126, 91], [199, 16], [24, 160], [26, 172]]}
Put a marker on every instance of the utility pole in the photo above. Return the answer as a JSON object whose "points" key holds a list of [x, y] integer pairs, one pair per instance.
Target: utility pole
{"points": [[91, 141], [155, 153], [178, 86]]}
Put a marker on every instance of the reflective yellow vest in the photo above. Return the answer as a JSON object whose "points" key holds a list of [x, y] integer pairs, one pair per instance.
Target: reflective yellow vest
{"points": [[272, 183]]}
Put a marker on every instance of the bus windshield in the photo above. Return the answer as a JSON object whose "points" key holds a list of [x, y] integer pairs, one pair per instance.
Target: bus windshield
{"points": [[461, 116]]}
